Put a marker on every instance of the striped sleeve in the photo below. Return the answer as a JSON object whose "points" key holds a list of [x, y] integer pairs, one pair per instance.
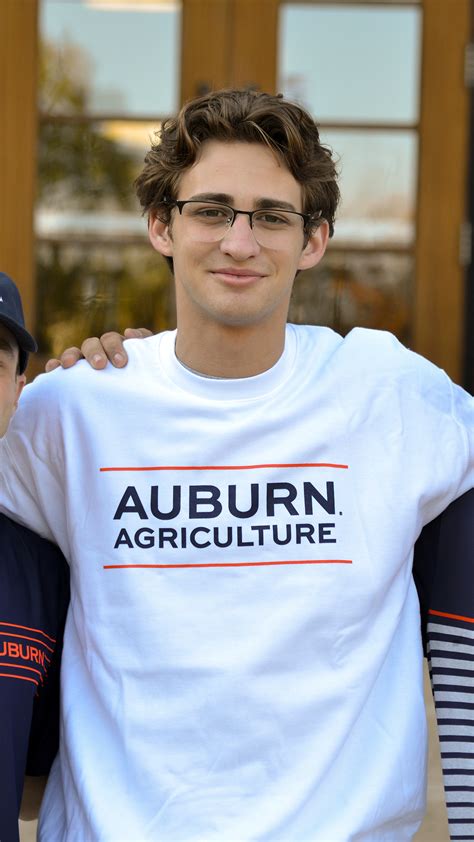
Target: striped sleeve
{"points": [[444, 575]]}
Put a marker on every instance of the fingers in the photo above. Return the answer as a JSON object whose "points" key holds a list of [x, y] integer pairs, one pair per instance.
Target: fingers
{"points": [[137, 333], [98, 352], [95, 352], [68, 358], [111, 345]]}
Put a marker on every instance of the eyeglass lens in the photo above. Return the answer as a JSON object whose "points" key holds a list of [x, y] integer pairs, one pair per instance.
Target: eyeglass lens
{"points": [[209, 222]]}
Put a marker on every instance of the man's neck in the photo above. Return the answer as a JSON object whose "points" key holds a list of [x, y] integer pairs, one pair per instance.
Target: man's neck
{"points": [[230, 352]]}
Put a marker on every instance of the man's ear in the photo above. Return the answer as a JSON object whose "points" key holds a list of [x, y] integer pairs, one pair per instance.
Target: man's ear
{"points": [[20, 383], [160, 236], [314, 249]]}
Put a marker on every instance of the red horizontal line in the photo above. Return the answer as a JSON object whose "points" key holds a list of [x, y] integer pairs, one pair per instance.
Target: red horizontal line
{"points": [[19, 677], [20, 667], [28, 628], [451, 616], [228, 467], [24, 637], [229, 564]]}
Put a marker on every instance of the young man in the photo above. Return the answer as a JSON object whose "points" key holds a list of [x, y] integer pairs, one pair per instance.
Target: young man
{"points": [[33, 604], [240, 506]]}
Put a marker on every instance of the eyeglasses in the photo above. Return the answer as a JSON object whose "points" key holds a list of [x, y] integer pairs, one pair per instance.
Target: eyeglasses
{"points": [[274, 228]]}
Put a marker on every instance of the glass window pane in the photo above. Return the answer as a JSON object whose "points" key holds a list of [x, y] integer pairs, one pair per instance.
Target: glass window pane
{"points": [[378, 182], [351, 63], [86, 289], [349, 289], [85, 178], [110, 58]]}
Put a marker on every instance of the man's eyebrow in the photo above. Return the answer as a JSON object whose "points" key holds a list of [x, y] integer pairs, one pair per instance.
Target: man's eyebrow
{"points": [[274, 203], [227, 199], [7, 346], [224, 198]]}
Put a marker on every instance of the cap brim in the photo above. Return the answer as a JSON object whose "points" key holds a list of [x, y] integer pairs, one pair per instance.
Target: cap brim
{"points": [[24, 339]]}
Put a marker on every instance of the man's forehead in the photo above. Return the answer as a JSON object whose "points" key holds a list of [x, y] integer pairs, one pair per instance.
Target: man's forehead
{"points": [[235, 169]]}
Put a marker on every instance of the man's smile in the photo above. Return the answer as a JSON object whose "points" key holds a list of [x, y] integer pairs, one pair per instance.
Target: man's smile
{"points": [[237, 276]]}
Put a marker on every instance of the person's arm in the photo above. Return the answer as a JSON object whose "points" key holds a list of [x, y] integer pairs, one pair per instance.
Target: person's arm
{"points": [[444, 575], [43, 742], [97, 352], [33, 791]]}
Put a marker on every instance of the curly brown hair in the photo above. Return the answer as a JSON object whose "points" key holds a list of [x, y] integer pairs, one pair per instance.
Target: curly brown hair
{"points": [[242, 115]]}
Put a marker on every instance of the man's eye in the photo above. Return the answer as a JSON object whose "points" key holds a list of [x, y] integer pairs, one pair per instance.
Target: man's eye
{"points": [[210, 213], [274, 219]]}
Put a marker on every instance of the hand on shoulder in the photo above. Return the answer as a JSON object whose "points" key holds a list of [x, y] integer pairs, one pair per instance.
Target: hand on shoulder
{"points": [[98, 352]]}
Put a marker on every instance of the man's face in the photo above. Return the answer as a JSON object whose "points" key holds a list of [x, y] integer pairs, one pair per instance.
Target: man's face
{"points": [[236, 282], [11, 383]]}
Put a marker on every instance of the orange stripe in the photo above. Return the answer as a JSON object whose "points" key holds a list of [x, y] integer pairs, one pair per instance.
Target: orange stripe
{"points": [[20, 667], [20, 678], [228, 564], [228, 467], [28, 628], [24, 637], [451, 616]]}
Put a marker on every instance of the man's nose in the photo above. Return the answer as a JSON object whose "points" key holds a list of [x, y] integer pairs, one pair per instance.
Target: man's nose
{"points": [[239, 240]]}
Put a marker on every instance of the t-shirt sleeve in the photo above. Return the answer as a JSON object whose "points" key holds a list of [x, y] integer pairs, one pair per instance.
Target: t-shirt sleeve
{"points": [[424, 419], [444, 575], [444, 439], [32, 464]]}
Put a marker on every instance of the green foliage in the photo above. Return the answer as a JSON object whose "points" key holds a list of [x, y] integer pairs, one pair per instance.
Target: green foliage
{"points": [[78, 165], [96, 284], [86, 291], [81, 168]]}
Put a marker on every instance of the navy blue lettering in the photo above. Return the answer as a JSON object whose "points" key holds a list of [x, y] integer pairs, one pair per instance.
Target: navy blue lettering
{"points": [[276, 537], [192, 537], [135, 507], [167, 536], [285, 499], [253, 501], [204, 501], [176, 503], [305, 530], [222, 543], [311, 493], [240, 540], [324, 530], [123, 538], [260, 530], [144, 538]]}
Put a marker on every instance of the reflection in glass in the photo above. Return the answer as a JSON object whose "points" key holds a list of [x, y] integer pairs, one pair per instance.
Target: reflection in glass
{"points": [[351, 63], [84, 290], [378, 182], [117, 60], [350, 289], [95, 268], [85, 178]]}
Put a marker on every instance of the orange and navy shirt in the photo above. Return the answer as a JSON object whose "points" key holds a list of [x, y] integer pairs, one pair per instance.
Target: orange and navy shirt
{"points": [[34, 595], [444, 576]]}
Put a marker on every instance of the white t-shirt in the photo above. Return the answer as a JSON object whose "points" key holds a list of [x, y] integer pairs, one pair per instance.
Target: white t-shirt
{"points": [[242, 656]]}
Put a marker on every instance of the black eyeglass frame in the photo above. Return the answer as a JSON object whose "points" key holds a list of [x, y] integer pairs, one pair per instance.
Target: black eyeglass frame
{"points": [[309, 219]]}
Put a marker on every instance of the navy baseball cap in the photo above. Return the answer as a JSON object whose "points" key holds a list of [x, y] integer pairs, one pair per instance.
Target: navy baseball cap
{"points": [[11, 315]]}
